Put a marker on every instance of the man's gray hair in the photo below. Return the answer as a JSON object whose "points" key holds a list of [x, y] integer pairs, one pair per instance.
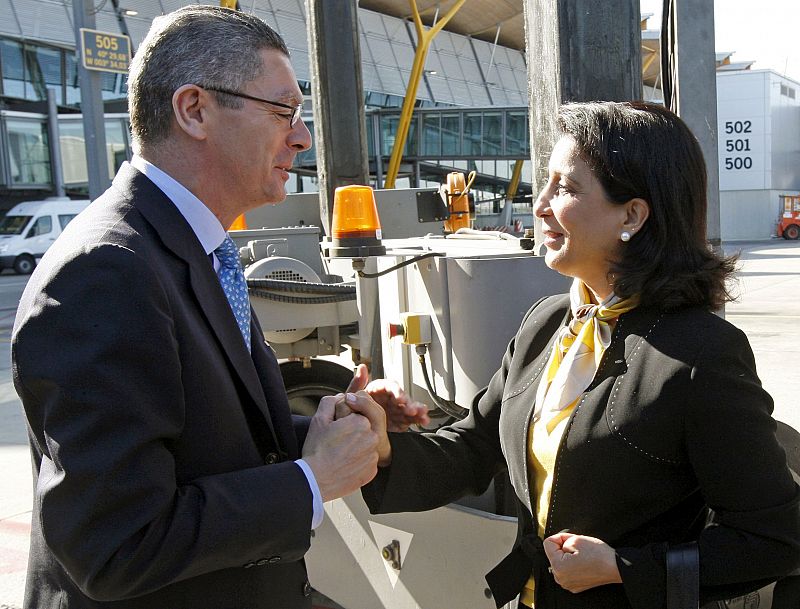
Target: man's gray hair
{"points": [[207, 46]]}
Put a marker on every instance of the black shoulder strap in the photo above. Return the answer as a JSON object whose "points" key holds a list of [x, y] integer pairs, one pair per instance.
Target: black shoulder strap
{"points": [[683, 577]]}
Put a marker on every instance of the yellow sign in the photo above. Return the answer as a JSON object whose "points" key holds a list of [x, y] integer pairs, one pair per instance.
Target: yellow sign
{"points": [[104, 51]]}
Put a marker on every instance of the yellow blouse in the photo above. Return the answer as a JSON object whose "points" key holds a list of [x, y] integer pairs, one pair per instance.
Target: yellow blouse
{"points": [[543, 441]]}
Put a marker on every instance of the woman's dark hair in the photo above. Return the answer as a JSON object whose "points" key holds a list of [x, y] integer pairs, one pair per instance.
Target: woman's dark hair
{"points": [[643, 150]]}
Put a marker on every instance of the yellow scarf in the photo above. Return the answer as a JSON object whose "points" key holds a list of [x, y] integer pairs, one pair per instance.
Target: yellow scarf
{"points": [[578, 350]]}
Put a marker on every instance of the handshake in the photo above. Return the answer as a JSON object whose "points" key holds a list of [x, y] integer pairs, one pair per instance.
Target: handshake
{"points": [[347, 439]]}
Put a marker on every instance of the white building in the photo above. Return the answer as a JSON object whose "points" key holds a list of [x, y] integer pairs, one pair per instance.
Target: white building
{"points": [[758, 114]]}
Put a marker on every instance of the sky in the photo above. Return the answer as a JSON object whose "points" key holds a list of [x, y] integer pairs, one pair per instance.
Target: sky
{"points": [[767, 32]]}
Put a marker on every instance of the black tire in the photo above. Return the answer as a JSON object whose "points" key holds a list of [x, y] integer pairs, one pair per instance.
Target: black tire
{"points": [[791, 232], [24, 264], [306, 386]]}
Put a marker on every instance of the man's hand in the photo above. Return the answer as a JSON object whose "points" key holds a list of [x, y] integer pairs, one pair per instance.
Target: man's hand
{"points": [[579, 562], [401, 411], [343, 454]]}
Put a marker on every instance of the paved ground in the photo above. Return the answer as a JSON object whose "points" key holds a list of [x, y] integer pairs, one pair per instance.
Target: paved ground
{"points": [[768, 311]]}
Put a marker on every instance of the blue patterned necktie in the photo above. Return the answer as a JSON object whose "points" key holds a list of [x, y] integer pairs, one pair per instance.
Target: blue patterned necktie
{"points": [[234, 285]]}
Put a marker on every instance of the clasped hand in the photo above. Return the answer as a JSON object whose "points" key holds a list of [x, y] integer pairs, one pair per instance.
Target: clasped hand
{"points": [[579, 562], [344, 451]]}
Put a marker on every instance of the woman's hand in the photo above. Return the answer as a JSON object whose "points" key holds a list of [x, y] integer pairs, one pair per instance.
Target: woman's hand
{"points": [[401, 411], [579, 562]]}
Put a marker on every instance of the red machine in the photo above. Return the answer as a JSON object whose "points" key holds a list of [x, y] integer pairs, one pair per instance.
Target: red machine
{"points": [[789, 224]]}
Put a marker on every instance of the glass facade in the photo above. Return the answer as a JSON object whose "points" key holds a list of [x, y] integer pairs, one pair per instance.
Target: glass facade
{"points": [[73, 148], [28, 70], [28, 155]]}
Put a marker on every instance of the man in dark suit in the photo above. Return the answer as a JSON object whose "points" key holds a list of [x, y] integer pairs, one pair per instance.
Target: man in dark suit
{"points": [[169, 472]]}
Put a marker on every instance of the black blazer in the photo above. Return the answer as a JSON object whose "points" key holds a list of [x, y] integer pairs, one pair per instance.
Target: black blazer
{"points": [[161, 449], [674, 420]]}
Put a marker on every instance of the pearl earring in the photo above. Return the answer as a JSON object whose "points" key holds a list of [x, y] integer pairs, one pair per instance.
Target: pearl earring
{"points": [[625, 236]]}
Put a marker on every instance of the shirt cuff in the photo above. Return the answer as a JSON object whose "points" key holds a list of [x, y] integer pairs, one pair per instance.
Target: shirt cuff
{"points": [[319, 510]]}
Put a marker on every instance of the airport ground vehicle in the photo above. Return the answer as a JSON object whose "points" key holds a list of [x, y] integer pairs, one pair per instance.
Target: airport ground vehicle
{"points": [[789, 223], [465, 289], [29, 228]]}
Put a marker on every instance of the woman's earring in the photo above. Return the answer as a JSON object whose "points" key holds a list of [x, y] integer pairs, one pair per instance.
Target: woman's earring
{"points": [[625, 236]]}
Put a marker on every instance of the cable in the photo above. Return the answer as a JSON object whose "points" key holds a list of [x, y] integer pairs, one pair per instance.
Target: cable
{"points": [[305, 287], [327, 292], [398, 266], [471, 233], [449, 407], [301, 299]]}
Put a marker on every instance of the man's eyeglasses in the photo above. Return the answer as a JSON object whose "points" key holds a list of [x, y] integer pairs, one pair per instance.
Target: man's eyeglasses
{"points": [[297, 111]]}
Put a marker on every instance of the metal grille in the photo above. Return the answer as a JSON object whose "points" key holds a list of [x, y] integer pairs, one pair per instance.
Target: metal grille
{"points": [[286, 275]]}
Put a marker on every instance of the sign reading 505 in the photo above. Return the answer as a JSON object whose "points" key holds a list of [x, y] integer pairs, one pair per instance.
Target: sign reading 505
{"points": [[105, 51]]}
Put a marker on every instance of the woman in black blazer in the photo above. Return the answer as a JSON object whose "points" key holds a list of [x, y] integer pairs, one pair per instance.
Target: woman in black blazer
{"points": [[629, 416]]}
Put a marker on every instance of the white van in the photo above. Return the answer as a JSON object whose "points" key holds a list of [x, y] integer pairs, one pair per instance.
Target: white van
{"points": [[30, 228]]}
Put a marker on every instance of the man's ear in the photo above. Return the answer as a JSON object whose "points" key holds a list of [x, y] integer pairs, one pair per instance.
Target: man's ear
{"points": [[637, 212], [190, 105]]}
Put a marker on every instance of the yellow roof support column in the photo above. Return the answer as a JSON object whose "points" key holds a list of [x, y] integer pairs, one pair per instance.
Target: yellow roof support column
{"points": [[423, 43]]}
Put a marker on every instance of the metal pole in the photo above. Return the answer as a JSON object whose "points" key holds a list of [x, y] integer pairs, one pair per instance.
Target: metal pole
{"points": [[94, 130], [691, 61], [55, 144], [338, 93], [577, 50]]}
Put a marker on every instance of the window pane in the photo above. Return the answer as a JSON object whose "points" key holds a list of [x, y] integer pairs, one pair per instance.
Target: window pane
{"points": [[43, 225], [73, 152], [410, 149], [370, 139], [115, 146], [451, 144], [492, 133], [516, 134], [64, 219], [388, 132], [472, 133], [50, 65], [73, 86], [27, 151], [34, 79], [431, 137], [308, 157], [13, 71]]}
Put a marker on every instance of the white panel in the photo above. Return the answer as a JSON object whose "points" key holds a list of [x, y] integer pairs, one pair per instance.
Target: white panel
{"points": [[381, 51], [748, 214], [743, 125], [292, 29], [8, 22], [45, 20], [441, 89], [784, 114]]}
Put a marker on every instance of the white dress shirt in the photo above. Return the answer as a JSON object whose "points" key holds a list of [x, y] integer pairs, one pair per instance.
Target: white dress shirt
{"points": [[211, 234]]}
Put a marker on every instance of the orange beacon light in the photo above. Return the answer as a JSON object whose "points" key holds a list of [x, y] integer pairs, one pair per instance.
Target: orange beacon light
{"points": [[458, 201], [355, 228]]}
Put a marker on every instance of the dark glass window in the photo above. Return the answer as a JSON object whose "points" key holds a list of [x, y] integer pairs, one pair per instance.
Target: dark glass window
{"points": [[42, 226], [64, 219], [13, 68], [73, 85], [14, 225], [431, 136]]}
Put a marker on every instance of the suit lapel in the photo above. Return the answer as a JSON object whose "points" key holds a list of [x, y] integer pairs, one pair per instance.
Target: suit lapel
{"points": [[178, 237]]}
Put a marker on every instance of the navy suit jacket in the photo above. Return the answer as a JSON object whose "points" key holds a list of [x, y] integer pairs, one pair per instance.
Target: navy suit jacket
{"points": [[162, 450]]}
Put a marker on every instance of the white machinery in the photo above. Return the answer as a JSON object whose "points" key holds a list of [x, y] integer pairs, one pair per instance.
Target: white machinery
{"points": [[466, 294]]}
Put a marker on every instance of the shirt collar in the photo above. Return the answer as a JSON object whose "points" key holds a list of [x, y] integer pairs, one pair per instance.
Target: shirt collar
{"points": [[203, 222]]}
